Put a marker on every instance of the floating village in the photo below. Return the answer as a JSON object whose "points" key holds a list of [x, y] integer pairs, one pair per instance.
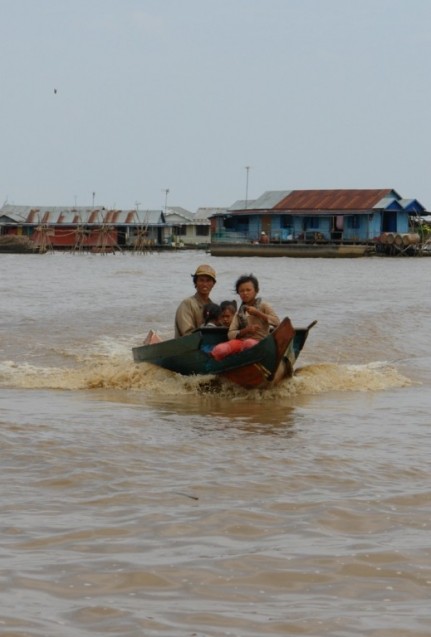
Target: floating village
{"points": [[291, 223]]}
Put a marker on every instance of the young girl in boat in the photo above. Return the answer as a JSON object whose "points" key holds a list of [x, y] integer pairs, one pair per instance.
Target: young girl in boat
{"points": [[251, 323], [228, 310]]}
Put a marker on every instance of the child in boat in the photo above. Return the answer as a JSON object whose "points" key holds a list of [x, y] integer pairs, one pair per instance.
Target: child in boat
{"points": [[251, 323], [212, 315], [228, 309]]}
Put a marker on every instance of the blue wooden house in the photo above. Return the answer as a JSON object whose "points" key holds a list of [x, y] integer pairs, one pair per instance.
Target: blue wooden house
{"points": [[336, 216]]}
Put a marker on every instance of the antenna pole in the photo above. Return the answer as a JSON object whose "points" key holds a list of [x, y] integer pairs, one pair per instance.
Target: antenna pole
{"points": [[247, 169]]}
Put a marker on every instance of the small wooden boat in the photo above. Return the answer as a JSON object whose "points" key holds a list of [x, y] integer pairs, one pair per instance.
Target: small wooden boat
{"points": [[265, 364]]}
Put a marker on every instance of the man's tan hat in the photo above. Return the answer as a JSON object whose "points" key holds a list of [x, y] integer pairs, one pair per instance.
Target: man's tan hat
{"points": [[205, 270]]}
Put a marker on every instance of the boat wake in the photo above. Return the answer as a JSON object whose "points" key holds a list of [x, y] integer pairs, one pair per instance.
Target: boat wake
{"points": [[108, 365], [327, 377]]}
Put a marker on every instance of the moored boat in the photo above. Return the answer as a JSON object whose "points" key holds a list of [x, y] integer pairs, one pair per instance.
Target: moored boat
{"points": [[312, 250], [265, 364]]}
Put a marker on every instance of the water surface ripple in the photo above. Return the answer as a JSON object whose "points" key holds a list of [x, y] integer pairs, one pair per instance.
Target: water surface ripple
{"points": [[138, 502]]}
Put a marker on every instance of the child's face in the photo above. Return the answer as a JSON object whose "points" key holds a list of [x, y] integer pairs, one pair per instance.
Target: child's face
{"points": [[226, 317], [247, 292]]}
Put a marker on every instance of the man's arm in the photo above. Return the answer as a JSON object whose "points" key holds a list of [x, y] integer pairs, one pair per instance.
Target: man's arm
{"points": [[185, 321]]}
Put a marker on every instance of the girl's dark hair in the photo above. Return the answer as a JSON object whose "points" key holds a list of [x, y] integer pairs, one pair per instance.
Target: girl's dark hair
{"points": [[211, 312], [246, 278], [228, 305]]}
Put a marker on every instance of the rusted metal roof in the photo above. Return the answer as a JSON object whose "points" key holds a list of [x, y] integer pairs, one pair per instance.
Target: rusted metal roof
{"points": [[316, 200], [57, 215]]}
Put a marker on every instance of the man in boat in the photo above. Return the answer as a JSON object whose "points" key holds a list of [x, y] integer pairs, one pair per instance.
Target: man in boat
{"points": [[190, 312]]}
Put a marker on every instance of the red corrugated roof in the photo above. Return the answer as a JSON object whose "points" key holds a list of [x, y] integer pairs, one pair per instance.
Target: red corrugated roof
{"points": [[332, 199]]}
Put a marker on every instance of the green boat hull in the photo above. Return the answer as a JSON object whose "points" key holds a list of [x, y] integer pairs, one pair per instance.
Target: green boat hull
{"points": [[268, 362]]}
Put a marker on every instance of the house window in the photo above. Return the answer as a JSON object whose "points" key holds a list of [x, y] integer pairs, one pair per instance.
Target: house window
{"points": [[286, 221], [236, 223], [202, 231], [179, 231]]}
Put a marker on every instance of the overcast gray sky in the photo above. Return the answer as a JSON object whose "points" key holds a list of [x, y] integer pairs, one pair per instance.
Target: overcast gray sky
{"points": [[184, 94]]}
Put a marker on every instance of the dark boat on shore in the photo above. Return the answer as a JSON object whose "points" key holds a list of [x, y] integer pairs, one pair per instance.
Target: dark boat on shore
{"points": [[265, 364]]}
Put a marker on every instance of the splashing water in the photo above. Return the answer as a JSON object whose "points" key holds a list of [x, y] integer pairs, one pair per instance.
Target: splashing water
{"points": [[107, 364]]}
